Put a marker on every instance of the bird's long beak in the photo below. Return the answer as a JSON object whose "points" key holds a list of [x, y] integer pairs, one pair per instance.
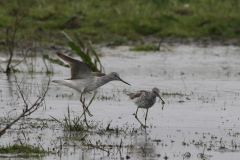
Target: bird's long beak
{"points": [[123, 81], [159, 97]]}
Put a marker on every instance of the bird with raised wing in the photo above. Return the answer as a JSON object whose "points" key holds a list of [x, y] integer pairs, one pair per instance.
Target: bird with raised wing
{"points": [[83, 79], [145, 99]]}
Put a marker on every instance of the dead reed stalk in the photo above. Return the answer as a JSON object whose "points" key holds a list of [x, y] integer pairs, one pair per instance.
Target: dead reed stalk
{"points": [[28, 110]]}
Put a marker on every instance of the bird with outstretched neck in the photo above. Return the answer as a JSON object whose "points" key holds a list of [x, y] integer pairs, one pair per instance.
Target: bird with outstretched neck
{"points": [[83, 79]]}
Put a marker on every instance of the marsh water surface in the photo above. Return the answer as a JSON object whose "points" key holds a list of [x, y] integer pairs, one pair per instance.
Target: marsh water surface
{"points": [[200, 86]]}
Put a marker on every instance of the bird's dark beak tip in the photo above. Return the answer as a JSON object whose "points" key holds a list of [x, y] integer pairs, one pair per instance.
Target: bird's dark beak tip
{"points": [[124, 82]]}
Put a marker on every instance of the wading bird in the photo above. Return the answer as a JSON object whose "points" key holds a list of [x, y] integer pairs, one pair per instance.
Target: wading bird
{"points": [[145, 99], [83, 79]]}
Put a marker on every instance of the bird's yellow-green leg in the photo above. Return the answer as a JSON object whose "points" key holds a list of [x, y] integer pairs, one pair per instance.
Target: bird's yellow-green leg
{"points": [[137, 118], [85, 108], [146, 118]]}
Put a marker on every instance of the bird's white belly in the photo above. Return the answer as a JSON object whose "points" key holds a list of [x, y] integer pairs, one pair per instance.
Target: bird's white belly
{"points": [[78, 84], [85, 85]]}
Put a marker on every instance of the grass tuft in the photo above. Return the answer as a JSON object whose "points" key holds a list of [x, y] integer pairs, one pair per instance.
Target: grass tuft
{"points": [[144, 47], [24, 148], [73, 124], [85, 51]]}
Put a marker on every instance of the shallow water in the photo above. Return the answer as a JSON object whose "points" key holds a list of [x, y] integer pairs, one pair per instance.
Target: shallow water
{"points": [[205, 113]]}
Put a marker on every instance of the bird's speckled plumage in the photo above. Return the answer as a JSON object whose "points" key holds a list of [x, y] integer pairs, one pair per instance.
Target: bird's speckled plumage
{"points": [[144, 99]]}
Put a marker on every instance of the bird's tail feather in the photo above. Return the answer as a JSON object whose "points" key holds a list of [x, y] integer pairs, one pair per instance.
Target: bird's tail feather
{"points": [[59, 82]]}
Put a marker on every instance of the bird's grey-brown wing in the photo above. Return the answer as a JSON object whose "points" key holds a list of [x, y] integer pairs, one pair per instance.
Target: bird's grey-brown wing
{"points": [[136, 95], [145, 92], [98, 74], [79, 69]]}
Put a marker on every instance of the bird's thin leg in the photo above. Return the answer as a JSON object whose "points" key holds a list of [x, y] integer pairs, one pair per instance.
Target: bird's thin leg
{"points": [[146, 117], [88, 111], [83, 105], [85, 108], [85, 118], [83, 113], [81, 98], [137, 118]]}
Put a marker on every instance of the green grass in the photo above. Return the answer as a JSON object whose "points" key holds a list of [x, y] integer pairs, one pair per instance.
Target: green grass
{"points": [[144, 47], [71, 124], [107, 20], [82, 51], [24, 148]]}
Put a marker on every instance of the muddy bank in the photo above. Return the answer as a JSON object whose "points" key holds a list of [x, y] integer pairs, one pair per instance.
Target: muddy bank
{"points": [[50, 48]]}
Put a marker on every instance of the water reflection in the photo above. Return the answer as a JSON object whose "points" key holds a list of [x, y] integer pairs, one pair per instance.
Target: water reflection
{"points": [[144, 147]]}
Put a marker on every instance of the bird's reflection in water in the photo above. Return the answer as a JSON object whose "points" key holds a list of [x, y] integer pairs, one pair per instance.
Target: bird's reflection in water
{"points": [[144, 147]]}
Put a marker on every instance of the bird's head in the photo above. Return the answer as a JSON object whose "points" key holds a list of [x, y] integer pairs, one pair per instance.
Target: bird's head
{"points": [[115, 76], [156, 91]]}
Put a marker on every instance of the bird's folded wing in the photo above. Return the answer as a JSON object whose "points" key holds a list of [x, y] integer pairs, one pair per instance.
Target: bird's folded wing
{"points": [[79, 69], [98, 74], [144, 92], [134, 95]]}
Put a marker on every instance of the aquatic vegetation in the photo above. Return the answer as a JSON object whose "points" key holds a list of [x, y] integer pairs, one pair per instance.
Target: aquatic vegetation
{"points": [[29, 108], [84, 51], [75, 123], [22, 148]]}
